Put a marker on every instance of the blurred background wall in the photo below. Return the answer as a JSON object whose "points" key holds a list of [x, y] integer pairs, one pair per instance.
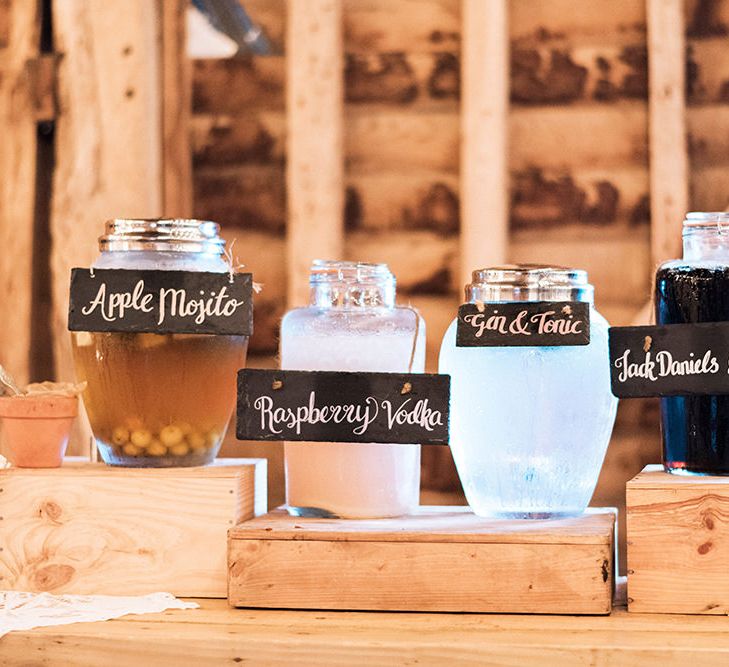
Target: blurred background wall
{"points": [[141, 108]]}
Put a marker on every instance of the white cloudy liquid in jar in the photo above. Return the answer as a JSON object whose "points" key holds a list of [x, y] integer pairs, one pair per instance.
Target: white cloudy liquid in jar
{"points": [[352, 480], [530, 425]]}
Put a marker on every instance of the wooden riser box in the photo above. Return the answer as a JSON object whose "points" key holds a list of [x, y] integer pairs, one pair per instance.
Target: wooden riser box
{"points": [[678, 543], [441, 559], [88, 528]]}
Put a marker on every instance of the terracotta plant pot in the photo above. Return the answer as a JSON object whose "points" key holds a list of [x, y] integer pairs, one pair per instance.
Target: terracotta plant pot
{"points": [[35, 429]]}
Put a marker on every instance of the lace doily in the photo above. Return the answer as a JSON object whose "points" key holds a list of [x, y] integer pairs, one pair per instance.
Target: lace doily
{"points": [[24, 611]]}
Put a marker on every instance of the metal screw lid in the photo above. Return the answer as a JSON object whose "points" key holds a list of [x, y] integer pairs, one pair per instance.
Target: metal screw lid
{"points": [[706, 219], [162, 235], [529, 282]]}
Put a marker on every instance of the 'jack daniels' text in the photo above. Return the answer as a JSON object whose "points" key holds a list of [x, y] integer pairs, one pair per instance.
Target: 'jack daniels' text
{"points": [[324, 406], [160, 302], [670, 360], [532, 323]]}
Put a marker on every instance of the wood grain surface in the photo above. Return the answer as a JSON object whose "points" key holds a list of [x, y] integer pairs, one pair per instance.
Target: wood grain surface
{"points": [[18, 53], [176, 101], [677, 543], [93, 529], [441, 559], [216, 634], [108, 136], [669, 163], [484, 158], [432, 524], [315, 165]]}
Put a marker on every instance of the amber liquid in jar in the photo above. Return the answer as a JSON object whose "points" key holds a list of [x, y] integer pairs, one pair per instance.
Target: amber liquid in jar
{"points": [[159, 400]]}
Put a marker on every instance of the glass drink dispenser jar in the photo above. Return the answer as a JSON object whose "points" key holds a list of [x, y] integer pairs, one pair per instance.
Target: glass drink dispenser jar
{"points": [[530, 425], [352, 324], [695, 289], [159, 400]]}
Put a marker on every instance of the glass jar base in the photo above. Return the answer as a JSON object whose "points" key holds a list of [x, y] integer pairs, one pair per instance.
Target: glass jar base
{"points": [[154, 462], [310, 512], [190, 460], [528, 516], [318, 513], [685, 472]]}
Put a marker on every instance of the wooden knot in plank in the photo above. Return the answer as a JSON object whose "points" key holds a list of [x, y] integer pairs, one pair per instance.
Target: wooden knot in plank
{"points": [[51, 577], [51, 510]]}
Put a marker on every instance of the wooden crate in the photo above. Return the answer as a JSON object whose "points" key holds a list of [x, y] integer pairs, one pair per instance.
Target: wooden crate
{"points": [[89, 528], [678, 543], [441, 559]]}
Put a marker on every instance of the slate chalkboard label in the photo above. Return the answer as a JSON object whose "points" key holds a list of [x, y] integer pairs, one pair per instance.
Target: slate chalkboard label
{"points": [[670, 360], [332, 406], [523, 323], [133, 301]]}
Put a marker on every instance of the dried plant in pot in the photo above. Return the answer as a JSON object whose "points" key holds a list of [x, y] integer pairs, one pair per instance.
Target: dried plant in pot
{"points": [[37, 421]]}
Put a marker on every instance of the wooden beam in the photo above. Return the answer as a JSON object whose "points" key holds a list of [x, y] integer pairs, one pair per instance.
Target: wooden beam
{"points": [[176, 100], [42, 80], [314, 104], [5, 10], [108, 139], [108, 133], [667, 126], [18, 52], [484, 131]]}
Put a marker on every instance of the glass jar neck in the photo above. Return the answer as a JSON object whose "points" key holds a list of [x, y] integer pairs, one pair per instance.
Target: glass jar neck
{"points": [[351, 285], [161, 261], [706, 236], [528, 282]]}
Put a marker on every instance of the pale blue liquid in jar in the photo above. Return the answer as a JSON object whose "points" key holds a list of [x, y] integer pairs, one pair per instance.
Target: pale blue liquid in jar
{"points": [[530, 425]]}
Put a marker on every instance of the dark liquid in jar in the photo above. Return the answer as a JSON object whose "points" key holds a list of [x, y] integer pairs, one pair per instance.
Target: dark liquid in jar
{"points": [[695, 428]]}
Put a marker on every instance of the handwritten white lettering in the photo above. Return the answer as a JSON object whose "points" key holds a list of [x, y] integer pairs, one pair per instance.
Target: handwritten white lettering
{"points": [[116, 304], [665, 365], [171, 303], [524, 323], [561, 326], [360, 416], [420, 415], [177, 304], [482, 323]]}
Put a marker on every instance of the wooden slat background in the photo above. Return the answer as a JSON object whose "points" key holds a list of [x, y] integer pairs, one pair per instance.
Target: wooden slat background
{"points": [[19, 48], [108, 133], [667, 107], [575, 76], [578, 160], [315, 123], [483, 178]]}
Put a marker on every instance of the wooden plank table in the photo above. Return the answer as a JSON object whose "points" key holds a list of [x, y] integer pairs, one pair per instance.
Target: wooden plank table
{"points": [[217, 634]]}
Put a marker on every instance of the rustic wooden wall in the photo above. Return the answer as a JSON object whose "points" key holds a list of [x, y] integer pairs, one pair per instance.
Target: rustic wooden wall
{"points": [[94, 119], [578, 137], [578, 158]]}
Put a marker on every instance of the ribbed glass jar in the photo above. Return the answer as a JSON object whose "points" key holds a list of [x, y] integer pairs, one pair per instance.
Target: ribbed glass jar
{"points": [[352, 324], [529, 425], [159, 400]]}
